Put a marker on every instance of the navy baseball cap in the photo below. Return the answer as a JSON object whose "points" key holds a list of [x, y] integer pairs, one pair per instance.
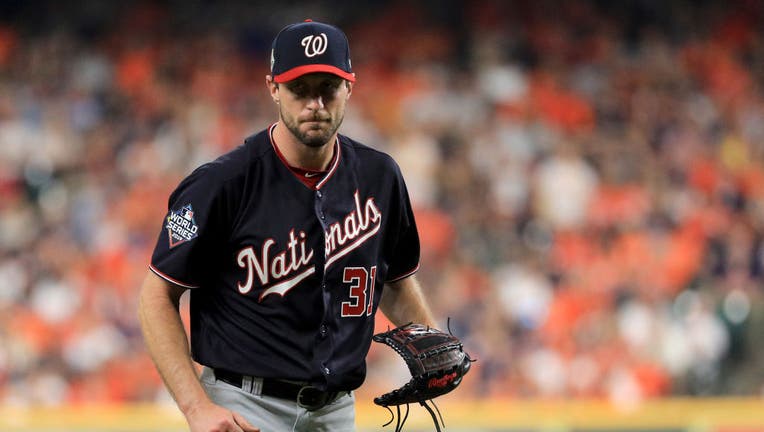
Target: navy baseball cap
{"points": [[308, 47]]}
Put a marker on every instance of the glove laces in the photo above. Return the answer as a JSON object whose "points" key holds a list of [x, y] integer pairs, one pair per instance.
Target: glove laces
{"points": [[401, 420]]}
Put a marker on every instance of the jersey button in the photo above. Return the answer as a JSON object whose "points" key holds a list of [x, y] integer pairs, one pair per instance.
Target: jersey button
{"points": [[322, 330], [327, 371], [319, 194]]}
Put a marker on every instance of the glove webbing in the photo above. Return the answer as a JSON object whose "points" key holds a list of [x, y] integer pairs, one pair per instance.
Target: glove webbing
{"points": [[440, 350]]}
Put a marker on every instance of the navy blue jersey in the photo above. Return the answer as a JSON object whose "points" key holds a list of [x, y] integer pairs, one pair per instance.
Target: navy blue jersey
{"points": [[285, 279]]}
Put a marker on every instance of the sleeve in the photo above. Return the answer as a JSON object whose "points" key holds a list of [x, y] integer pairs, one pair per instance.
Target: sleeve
{"points": [[404, 255], [190, 236]]}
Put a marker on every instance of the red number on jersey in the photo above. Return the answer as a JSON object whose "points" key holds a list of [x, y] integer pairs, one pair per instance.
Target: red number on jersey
{"points": [[361, 291]]}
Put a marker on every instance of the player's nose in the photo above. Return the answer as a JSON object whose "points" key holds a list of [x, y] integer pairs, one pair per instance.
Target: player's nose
{"points": [[316, 102]]}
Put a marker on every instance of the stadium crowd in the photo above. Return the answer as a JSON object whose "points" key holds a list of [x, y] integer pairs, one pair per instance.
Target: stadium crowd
{"points": [[588, 179]]}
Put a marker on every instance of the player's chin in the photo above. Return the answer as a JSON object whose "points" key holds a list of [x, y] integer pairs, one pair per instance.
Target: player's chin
{"points": [[317, 130], [315, 137]]}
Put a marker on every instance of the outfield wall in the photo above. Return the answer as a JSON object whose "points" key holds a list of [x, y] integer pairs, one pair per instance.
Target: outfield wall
{"points": [[669, 415]]}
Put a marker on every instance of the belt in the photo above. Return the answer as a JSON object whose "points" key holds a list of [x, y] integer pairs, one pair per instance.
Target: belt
{"points": [[308, 397]]}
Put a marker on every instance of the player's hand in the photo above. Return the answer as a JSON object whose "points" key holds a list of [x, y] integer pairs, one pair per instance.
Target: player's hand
{"points": [[243, 423], [209, 417]]}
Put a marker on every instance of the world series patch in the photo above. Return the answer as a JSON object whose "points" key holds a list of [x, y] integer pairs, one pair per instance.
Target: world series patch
{"points": [[181, 226]]}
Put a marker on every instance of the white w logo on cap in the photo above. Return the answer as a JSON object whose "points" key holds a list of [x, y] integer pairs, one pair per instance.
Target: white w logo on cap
{"points": [[315, 45]]}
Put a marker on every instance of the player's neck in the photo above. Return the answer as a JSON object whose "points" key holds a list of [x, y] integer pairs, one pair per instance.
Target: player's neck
{"points": [[299, 155]]}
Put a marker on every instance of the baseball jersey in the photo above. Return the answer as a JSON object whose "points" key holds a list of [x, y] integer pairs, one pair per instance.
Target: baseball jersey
{"points": [[285, 277]]}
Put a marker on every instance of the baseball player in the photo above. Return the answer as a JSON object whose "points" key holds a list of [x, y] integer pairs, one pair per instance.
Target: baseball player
{"points": [[288, 245]]}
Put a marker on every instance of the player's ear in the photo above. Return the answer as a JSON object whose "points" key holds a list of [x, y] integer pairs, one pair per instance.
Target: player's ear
{"points": [[273, 88], [349, 85]]}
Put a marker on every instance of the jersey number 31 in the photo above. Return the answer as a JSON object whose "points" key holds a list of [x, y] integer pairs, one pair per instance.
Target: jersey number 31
{"points": [[361, 291]]}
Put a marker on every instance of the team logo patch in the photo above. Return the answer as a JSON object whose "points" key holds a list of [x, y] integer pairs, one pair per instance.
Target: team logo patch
{"points": [[181, 226]]}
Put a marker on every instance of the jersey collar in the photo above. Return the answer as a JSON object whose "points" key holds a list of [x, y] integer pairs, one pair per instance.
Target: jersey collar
{"points": [[311, 182]]}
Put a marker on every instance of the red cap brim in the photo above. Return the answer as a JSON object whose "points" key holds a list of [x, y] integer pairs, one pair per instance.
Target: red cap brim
{"points": [[312, 68]]}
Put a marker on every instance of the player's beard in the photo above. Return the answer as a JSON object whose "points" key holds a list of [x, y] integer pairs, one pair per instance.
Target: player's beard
{"points": [[315, 136]]}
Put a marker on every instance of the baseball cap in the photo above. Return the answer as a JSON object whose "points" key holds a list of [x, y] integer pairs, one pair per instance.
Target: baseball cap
{"points": [[308, 47]]}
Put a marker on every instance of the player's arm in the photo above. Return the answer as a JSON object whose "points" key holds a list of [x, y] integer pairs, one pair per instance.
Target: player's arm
{"points": [[167, 344], [403, 302]]}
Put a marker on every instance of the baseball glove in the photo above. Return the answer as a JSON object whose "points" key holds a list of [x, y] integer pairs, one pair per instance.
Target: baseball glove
{"points": [[436, 360]]}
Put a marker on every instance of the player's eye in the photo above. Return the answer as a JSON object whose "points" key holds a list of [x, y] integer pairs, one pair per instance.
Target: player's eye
{"points": [[299, 90], [329, 88], [325, 89], [330, 85]]}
